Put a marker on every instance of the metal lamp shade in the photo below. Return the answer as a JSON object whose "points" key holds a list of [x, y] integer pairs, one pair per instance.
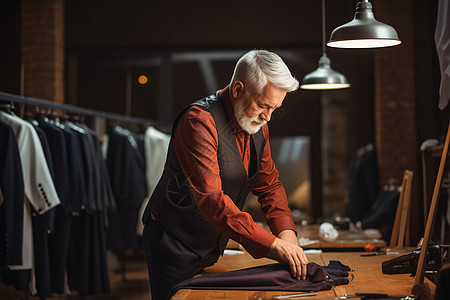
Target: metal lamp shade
{"points": [[324, 78], [363, 31]]}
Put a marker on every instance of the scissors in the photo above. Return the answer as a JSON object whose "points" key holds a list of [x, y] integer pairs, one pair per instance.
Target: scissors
{"points": [[379, 253], [295, 295], [361, 296]]}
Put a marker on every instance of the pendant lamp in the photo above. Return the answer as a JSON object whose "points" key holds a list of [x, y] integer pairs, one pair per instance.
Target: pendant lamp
{"points": [[324, 77], [364, 31]]}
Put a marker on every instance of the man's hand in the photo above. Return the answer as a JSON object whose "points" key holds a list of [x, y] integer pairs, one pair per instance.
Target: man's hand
{"points": [[286, 249]]}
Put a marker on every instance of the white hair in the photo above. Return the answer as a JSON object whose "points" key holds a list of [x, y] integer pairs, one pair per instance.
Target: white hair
{"points": [[256, 68]]}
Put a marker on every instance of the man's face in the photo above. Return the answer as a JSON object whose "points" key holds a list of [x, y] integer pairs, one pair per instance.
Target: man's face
{"points": [[253, 111]]}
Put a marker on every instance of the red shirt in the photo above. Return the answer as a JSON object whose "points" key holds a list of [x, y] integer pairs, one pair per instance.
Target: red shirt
{"points": [[196, 144]]}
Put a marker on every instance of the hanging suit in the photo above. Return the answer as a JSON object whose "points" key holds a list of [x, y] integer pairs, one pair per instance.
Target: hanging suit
{"points": [[87, 161], [106, 198], [126, 166], [78, 198], [88, 259], [106, 204], [43, 226], [40, 191], [51, 174], [59, 240], [11, 205]]}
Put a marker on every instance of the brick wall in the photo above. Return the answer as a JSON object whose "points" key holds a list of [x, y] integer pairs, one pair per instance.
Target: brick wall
{"points": [[395, 106], [334, 152], [42, 40], [395, 103]]}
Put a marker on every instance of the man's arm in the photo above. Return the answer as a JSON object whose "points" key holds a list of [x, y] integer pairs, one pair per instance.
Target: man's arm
{"points": [[272, 197], [289, 236]]}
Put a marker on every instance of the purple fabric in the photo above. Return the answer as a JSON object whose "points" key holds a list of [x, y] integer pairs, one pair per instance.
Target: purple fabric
{"points": [[275, 277]]}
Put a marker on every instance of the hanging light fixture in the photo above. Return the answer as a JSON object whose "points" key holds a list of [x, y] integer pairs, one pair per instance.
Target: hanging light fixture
{"points": [[364, 31], [324, 77]]}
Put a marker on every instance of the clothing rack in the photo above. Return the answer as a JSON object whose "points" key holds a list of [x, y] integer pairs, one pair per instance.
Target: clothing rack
{"points": [[6, 97]]}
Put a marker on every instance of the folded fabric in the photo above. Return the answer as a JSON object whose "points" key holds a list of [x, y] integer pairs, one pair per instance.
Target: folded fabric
{"points": [[337, 268], [271, 277]]}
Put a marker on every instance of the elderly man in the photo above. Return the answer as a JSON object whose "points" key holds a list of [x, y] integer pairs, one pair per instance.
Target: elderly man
{"points": [[218, 153]]}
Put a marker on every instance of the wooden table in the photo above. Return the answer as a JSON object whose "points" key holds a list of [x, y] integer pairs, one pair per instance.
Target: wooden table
{"points": [[368, 278], [347, 239]]}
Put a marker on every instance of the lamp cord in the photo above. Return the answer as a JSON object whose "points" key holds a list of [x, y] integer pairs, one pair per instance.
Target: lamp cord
{"points": [[323, 27]]}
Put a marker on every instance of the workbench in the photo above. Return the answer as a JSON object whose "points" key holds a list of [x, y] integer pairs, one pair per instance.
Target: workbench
{"points": [[368, 277]]}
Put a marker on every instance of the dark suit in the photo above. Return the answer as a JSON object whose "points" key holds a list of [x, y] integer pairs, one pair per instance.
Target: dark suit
{"points": [[43, 225], [78, 201], [89, 170], [126, 166], [105, 201], [88, 269], [59, 240], [12, 189]]}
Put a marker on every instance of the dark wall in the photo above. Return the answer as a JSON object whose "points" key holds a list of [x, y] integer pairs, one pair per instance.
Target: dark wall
{"points": [[10, 46], [191, 24]]}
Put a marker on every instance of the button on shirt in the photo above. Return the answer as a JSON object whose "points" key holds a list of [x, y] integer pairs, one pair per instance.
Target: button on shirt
{"points": [[195, 141]]}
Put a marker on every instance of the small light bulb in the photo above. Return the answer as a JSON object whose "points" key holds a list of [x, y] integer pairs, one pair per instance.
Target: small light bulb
{"points": [[142, 79]]}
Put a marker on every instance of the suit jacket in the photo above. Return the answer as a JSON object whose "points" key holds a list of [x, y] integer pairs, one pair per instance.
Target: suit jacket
{"points": [[11, 205], [58, 149], [78, 195], [43, 226], [107, 201], [90, 172], [87, 269], [126, 165], [58, 243], [39, 187]]}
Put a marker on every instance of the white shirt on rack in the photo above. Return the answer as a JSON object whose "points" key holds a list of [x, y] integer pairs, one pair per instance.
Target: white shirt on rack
{"points": [[156, 145]]}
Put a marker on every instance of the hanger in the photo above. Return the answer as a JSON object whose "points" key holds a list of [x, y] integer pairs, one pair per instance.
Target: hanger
{"points": [[74, 118], [43, 113], [65, 117], [30, 112], [27, 114], [7, 107]]}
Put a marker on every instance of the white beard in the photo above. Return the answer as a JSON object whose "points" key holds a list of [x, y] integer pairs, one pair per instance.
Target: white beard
{"points": [[246, 123]]}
